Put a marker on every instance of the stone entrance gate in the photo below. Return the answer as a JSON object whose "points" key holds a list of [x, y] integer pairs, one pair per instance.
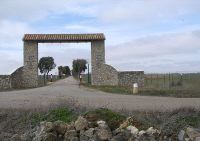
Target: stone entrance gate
{"points": [[101, 74]]}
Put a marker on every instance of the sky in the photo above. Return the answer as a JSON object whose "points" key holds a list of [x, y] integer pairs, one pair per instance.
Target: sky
{"points": [[157, 36]]}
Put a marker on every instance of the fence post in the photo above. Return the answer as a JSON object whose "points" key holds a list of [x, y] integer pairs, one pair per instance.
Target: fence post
{"points": [[157, 81], [164, 80], [169, 80]]}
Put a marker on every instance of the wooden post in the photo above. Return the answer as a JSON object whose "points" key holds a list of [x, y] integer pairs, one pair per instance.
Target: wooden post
{"points": [[169, 80], [164, 80]]}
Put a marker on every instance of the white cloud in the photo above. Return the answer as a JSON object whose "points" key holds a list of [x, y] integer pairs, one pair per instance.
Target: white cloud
{"points": [[104, 10], [10, 61], [11, 34], [36, 9], [151, 53], [11, 45]]}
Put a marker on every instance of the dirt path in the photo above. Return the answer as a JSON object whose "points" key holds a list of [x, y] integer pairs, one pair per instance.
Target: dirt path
{"points": [[69, 89]]}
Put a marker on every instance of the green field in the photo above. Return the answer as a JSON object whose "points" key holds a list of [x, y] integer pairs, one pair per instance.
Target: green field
{"points": [[171, 84]]}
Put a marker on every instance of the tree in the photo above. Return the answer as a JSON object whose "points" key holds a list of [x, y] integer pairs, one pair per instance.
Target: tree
{"points": [[66, 70], [60, 71], [46, 64], [79, 65]]}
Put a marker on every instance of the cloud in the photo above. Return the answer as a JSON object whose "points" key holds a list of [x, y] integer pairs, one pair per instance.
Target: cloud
{"points": [[11, 45], [11, 34], [37, 9], [152, 52], [141, 11], [10, 61], [106, 11], [121, 21]]}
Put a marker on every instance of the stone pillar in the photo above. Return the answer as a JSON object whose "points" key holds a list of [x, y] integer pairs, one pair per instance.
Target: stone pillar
{"points": [[30, 71], [98, 59]]}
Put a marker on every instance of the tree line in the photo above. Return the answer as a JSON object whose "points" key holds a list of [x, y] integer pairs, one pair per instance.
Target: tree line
{"points": [[47, 64]]}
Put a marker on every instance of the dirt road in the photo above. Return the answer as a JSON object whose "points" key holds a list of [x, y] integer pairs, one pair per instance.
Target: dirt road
{"points": [[69, 89]]}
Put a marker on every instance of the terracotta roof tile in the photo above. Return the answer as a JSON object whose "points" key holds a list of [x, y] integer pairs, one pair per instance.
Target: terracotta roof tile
{"points": [[63, 37]]}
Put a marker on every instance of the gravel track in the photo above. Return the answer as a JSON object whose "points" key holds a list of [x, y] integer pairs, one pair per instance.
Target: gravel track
{"points": [[68, 89]]}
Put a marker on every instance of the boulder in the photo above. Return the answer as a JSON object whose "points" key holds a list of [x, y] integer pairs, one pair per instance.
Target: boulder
{"points": [[117, 131], [192, 133], [49, 137], [81, 123], [123, 136], [102, 123], [60, 127], [69, 135], [84, 138], [146, 137], [103, 132], [181, 135], [133, 130], [47, 126], [142, 132], [71, 126], [151, 131], [132, 138], [40, 131], [89, 133]]}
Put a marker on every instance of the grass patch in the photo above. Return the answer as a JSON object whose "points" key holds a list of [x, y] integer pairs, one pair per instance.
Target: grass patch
{"points": [[113, 119], [110, 89], [171, 93], [179, 93], [62, 114]]}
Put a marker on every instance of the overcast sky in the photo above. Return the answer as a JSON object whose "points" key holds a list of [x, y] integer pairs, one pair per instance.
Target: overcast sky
{"points": [[149, 35]]}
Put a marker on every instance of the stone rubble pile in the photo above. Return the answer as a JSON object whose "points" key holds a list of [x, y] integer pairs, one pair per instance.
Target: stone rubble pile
{"points": [[190, 134], [83, 130]]}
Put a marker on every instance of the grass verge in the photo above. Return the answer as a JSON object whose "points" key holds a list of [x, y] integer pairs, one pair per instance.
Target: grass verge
{"points": [[110, 89], [147, 92], [170, 123]]}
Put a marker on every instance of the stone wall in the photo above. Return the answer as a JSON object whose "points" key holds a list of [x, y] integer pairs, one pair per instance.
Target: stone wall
{"points": [[127, 78], [17, 80], [108, 75], [5, 82]]}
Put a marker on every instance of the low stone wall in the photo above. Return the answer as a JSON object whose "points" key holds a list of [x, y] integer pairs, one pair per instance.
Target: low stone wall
{"points": [[127, 78], [5, 82], [17, 78], [108, 75]]}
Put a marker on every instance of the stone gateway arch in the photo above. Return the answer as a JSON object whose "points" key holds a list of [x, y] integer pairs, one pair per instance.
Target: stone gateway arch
{"points": [[101, 74]]}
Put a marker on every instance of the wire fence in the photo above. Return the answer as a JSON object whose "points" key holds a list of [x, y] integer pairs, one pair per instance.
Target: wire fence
{"points": [[182, 81]]}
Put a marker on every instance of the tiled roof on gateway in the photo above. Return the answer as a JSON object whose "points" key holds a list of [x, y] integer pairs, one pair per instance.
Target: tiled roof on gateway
{"points": [[63, 37]]}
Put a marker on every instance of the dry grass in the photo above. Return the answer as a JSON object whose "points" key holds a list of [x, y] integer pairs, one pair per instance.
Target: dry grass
{"points": [[14, 121]]}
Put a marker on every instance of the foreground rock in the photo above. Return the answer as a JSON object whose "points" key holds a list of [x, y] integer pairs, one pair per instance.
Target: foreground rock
{"points": [[81, 131]]}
